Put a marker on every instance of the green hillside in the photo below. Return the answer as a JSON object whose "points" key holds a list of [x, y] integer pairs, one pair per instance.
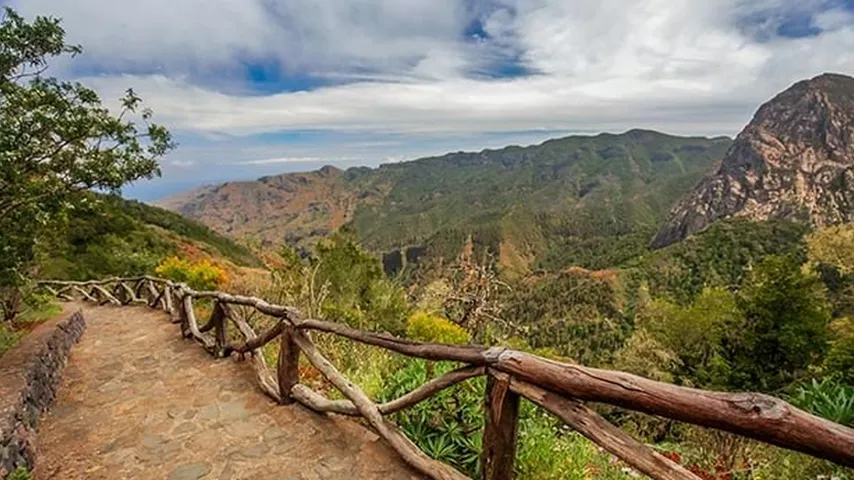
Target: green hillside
{"points": [[588, 201], [114, 236]]}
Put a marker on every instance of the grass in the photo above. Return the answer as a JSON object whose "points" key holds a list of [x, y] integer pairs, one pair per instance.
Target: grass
{"points": [[42, 310]]}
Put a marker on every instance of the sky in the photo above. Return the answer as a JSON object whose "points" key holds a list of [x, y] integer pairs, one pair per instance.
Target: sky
{"points": [[257, 87]]}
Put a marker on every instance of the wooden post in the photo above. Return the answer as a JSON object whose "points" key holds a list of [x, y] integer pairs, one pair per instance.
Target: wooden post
{"points": [[220, 329], [288, 365], [499, 434], [186, 306]]}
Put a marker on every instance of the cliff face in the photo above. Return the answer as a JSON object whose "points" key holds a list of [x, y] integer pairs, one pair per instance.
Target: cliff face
{"points": [[794, 160]]}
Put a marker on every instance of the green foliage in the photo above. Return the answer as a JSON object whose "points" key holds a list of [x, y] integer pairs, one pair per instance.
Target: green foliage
{"points": [[576, 312], [613, 190], [696, 334], [427, 327], [828, 398], [8, 337], [57, 140], [32, 308], [839, 360], [183, 227], [201, 275], [359, 293], [786, 319], [721, 256], [548, 450], [449, 425], [833, 246], [109, 236], [20, 473]]}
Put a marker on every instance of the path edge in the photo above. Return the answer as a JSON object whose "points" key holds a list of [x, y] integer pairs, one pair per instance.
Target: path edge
{"points": [[32, 389]]}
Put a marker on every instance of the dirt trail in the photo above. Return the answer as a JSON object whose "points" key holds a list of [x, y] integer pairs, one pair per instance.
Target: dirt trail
{"points": [[139, 402]]}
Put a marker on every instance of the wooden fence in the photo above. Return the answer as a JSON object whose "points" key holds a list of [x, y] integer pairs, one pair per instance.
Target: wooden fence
{"points": [[559, 388]]}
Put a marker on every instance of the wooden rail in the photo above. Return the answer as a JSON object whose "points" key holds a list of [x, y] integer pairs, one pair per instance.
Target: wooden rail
{"points": [[559, 388]]}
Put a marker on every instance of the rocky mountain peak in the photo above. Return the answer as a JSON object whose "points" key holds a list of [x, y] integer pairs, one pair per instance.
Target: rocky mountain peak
{"points": [[794, 160]]}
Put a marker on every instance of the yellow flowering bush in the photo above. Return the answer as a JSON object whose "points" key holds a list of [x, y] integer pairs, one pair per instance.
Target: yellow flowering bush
{"points": [[427, 327], [201, 275]]}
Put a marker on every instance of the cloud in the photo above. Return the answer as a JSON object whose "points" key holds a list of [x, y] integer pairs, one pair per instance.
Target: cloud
{"points": [[412, 74]]}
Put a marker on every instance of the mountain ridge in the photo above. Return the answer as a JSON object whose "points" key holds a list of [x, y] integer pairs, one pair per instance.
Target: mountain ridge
{"points": [[794, 160], [517, 202]]}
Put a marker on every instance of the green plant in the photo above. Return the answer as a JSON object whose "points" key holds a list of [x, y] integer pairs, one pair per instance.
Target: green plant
{"points": [[827, 398], [449, 425], [433, 328], [58, 140], [20, 473], [201, 275]]}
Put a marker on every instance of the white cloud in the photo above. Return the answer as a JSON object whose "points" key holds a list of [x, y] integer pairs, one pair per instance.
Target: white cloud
{"points": [[681, 66]]}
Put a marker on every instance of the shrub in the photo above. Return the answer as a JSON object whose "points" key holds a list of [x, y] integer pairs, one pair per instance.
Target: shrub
{"points": [[202, 275], [433, 328], [827, 398], [20, 473]]}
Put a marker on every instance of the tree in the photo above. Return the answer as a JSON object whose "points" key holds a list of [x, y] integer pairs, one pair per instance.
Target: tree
{"points": [[695, 334], [785, 329], [56, 141]]}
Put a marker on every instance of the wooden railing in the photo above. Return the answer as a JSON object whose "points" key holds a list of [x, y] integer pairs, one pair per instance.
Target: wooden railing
{"points": [[559, 388]]}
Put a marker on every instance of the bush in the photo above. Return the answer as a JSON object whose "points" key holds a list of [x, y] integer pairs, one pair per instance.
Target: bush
{"points": [[202, 275], [20, 473], [449, 425], [433, 328], [827, 398]]}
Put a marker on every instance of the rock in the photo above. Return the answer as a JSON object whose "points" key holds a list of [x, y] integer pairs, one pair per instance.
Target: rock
{"points": [[794, 160], [192, 471]]}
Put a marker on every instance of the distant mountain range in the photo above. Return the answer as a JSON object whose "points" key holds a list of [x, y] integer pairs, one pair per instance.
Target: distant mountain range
{"points": [[530, 206], [593, 201]]}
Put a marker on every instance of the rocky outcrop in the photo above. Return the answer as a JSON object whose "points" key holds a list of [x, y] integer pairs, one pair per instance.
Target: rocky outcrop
{"points": [[30, 376], [794, 160]]}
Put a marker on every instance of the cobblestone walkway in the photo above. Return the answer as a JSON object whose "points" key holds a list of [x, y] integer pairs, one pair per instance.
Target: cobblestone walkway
{"points": [[139, 402]]}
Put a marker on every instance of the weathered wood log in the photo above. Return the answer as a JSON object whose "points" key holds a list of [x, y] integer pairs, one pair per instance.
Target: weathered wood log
{"points": [[167, 302], [266, 381], [588, 423], [319, 403], [259, 304], [193, 326], [152, 293], [410, 453], [83, 294], [431, 351], [499, 434], [220, 331], [263, 339], [288, 365], [105, 296], [752, 415], [129, 293], [156, 300], [120, 294], [138, 287]]}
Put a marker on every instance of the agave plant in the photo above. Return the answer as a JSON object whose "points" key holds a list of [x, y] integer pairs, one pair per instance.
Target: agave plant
{"points": [[828, 398]]}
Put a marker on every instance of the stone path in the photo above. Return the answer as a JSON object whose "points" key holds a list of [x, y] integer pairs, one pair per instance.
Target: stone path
{"points": [[139, 402]]}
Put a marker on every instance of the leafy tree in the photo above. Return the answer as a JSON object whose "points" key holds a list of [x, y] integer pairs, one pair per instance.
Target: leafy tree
{"points": [[57, 140], [785, 330], [696, 334]]}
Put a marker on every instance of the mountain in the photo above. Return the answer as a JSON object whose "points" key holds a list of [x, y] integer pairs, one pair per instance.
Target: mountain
{"points": [[108, 235], [794, 160], [540, 206]]}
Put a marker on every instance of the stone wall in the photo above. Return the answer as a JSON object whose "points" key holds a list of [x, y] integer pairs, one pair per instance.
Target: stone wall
{"points": [[29, 379]]}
